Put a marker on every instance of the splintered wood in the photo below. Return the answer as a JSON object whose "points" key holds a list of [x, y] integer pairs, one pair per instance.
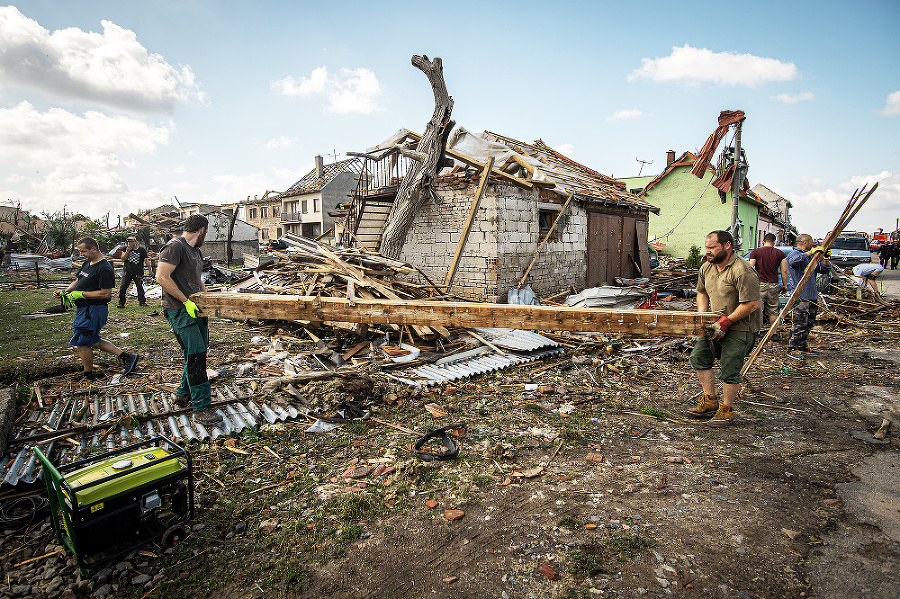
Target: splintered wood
{"points": [[314, 269]]}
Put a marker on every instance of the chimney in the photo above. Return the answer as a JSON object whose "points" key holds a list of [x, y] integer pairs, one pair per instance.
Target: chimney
{"points": [[320, 167], [670, 157]]}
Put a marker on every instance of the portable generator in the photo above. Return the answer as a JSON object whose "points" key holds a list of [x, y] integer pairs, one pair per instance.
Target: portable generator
{"points": [[110, 504]]}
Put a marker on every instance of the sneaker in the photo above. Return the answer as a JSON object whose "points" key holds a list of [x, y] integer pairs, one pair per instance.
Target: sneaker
{"points": [[706, 405], [724, 416], [796, 354], [129, 361], [209, 418], [87, 377], [810, 350]]}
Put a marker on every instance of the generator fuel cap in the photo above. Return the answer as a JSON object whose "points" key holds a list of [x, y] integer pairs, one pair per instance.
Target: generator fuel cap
{"points": [[122, 464]]}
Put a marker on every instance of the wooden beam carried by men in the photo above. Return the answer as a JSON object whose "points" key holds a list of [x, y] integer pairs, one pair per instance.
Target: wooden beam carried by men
{"points": [[244, 306]]}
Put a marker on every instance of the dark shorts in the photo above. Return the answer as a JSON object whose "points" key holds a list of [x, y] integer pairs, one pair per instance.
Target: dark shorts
{"points": [[88, 322], [731, 350]]}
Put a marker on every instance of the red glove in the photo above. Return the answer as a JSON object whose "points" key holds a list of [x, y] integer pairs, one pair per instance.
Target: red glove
{"points": [[720, 326]]}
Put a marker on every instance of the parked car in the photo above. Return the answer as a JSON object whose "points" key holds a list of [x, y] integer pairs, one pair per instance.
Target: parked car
{"points": [[850, 250], [277, 244]]}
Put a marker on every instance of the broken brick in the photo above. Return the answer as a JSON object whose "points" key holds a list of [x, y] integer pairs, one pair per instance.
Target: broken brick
{"points": [[548, 572], [594, 457], [453, 514]]}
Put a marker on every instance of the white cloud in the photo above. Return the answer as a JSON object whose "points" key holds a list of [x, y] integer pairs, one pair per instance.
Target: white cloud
{"points": [[816, 212], [57, 157], [112, 69], [700, 65], [280, 142], [788, 99], [565, 149], [891, 105], [627, 114], [349, 91]]}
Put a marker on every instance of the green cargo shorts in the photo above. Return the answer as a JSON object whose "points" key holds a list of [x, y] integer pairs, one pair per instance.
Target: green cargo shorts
{"points": [[731, 350]]}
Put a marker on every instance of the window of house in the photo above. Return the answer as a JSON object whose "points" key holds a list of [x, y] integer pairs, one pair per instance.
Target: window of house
{"points": [[253, 213], [278, 231], [315, 204], [264, 212], [303, 206], [264, 233], [275, 211], [546, 218]]}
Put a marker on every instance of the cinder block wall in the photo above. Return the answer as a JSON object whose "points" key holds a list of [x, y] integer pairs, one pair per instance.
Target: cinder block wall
{"points": [[502, 241]]}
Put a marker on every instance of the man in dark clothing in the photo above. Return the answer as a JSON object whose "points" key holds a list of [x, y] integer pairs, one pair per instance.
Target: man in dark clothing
{"points": [[90, 293], [133, 270], [179, 273], [884, 254], [895, 255], [768, 261]]}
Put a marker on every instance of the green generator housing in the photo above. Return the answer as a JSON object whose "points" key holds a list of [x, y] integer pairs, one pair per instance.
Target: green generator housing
{"points": [[108, 505]]}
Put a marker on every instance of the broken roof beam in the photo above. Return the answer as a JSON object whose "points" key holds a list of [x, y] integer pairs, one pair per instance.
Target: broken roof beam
{"points": [[503, 176], [243, 306]]}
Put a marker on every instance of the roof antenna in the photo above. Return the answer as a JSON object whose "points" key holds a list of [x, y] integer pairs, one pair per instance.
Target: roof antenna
{"points": [[643, 162], [334, 154]]}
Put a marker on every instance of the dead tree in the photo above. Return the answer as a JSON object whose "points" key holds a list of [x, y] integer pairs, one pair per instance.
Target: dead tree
{"points": [[426, 158]]}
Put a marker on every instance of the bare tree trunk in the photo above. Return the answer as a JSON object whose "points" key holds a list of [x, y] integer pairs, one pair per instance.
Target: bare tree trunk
{"points": [[426, 161]]}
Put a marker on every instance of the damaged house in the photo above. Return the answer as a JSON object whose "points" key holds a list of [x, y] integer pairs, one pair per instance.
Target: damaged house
{"points": [[538, 212]]}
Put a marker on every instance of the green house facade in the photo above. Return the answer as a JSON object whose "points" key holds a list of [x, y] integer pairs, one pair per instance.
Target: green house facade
{"points": [[689, 207]]}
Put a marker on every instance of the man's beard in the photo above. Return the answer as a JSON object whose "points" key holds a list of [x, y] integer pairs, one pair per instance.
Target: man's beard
{"points": [[718, 257], [200, 240]]}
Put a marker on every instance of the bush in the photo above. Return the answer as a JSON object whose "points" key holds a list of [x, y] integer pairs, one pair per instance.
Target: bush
{"points": [[695, 258]]}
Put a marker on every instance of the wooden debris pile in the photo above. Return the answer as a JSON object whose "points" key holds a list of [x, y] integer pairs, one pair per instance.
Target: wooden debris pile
{"points": [[848, 302], [314, 269]]}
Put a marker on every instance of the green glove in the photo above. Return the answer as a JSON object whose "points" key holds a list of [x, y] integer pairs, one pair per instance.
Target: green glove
{"points": [[65, 299], [191, 308], [75, 295]]}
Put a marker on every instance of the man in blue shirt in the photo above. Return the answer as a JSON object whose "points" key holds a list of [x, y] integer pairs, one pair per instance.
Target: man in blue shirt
{"points": [[804, 312]]}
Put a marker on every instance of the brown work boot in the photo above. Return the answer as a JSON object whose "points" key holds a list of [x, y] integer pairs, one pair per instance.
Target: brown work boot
{"points": [[724, 416], [708, 404]]}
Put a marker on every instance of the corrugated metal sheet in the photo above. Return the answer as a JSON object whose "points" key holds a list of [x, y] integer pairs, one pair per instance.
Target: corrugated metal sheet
{"points": [[433, 374], [122, 412], [516, 339]]}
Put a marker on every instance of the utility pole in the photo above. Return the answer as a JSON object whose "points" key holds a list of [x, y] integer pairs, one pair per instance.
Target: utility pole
{"points": [[736, 180]]}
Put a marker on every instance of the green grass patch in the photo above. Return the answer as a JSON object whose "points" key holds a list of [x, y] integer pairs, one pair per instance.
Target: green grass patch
{"points": [[658, 413]]}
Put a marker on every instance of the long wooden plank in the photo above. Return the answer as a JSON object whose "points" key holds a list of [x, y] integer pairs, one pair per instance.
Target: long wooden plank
{"points": [[468, 224], [241, 306]]}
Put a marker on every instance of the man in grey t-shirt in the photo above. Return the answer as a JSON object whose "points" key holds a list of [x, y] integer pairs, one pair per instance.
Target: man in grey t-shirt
{"points": [[179, 273]]}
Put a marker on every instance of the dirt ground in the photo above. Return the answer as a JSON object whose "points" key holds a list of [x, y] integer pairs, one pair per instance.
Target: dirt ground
{"points": [[596, 487]]}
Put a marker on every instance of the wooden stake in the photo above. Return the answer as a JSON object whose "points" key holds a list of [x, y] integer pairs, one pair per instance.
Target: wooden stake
{"points": [[482, 184]]}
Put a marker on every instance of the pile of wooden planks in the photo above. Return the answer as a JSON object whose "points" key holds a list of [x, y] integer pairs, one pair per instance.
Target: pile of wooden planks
{"points": [[314, 269]]}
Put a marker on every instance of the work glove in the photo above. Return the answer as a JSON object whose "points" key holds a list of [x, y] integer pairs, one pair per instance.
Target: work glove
{"points": [[826, 253], [75, 295], [191, 308], [65, 299], [719, 327]]}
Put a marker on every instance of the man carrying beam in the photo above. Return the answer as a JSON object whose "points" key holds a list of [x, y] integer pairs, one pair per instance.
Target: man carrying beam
{"points": [[179, 273], [729, 286]]}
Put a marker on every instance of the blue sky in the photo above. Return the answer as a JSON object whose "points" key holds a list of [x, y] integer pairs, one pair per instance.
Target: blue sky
{"points": [[114, 107]]}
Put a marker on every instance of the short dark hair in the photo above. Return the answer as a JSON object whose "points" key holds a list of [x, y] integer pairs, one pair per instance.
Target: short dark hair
{"points": [[722, 237], [769, 237], [195, 222], [89, 242]]}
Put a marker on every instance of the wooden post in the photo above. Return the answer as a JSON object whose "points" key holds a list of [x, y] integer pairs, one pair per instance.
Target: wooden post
{"points": [[856, 202], [243, 306], [482, 184]]}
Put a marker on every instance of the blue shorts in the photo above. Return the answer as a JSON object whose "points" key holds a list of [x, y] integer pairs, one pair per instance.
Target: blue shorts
{"points": [[88, 322]]}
